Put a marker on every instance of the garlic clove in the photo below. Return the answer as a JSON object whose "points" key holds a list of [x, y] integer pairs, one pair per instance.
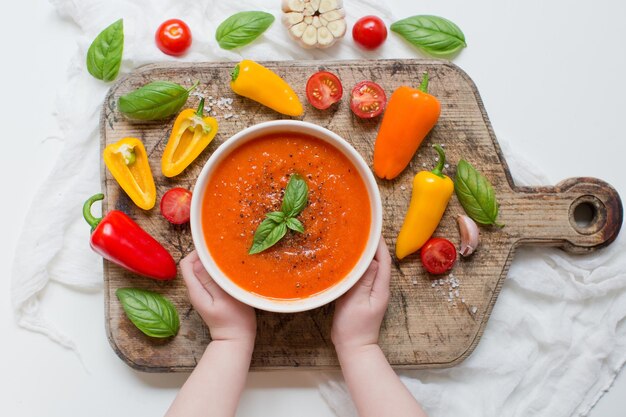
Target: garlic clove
{"points": [[298, 29], [292, 18], [309, 37], [334, 15], [337, 28], [470, 235], [308, 10], [293, 5], [328, 5], [324, 37]]}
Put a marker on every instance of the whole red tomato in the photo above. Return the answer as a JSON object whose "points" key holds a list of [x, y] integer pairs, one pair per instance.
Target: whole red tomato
{"points": [[369, 32], [173, 37]]}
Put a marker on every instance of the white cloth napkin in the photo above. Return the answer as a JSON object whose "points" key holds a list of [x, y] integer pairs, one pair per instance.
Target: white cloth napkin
{"points": [[557, 335]]}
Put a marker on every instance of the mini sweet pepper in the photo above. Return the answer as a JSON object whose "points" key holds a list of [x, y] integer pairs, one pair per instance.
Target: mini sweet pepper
{"points": [[119, 239], [254, 81], [431, 193], [191, 134], [127, 161], [410, 115]]}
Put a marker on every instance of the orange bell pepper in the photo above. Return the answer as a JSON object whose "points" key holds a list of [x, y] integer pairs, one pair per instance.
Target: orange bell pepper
{"points": [[127, 160], [410, 115], [192, 132]]}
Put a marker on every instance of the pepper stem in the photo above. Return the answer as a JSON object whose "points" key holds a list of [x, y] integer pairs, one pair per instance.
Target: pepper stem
{"points": [[234, 73], [193, 87], [442, 161], [200, 111], [424, 85], [90, 218]]}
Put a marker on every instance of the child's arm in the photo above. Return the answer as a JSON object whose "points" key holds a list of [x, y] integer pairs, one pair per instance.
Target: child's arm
{"points": [[215, 385], [375, 388]]}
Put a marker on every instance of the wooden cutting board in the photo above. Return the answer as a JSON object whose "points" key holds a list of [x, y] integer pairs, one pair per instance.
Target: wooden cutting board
{"points": [[428, 323]]}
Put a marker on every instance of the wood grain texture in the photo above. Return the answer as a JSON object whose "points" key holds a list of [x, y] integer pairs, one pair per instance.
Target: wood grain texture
{"points": [[426, 324]]}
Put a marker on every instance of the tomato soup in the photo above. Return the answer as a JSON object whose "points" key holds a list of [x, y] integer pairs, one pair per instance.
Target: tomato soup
{"points": [[250, 182]]}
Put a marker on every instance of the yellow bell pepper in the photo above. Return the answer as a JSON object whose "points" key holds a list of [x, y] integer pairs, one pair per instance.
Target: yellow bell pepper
{"points": [[431, 194], [127, 161], [192, 132], [254, 81]]}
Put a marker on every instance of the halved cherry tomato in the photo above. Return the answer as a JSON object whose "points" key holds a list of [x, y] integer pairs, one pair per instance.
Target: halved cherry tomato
{"points": [[438, 255], [323, 90], [369, 32], [173, 37], [176, 205], [368, 99]]}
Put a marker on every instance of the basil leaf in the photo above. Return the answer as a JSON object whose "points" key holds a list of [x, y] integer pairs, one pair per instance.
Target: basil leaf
{"points": [[274, 227], [152, 313], [295, 225], [267, 235], [104, 56], [432, 34], [277, 216], [475, 194], [242, 28], [154, 101], [296, 195]]}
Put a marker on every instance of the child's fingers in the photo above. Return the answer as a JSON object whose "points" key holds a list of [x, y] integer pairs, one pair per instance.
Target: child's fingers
{"points": [[363, 287], [380, 285], [207, 282], [197, 293]]}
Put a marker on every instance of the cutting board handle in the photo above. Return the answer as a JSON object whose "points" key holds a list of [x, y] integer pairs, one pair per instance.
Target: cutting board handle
{"points": [[578, 215]]}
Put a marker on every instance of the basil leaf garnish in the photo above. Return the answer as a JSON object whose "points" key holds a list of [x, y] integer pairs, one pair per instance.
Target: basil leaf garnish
{"points": [[432, 34], [242, 28], [154, 101], [104, 56], [277, 216], [267, 234], [295, 197], [275, 226], [295, 225], [152, 313], [476, 194]]}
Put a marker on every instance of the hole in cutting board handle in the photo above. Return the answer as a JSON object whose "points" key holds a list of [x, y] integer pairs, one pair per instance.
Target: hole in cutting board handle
{"points": [[587, 214], [584, 214]]}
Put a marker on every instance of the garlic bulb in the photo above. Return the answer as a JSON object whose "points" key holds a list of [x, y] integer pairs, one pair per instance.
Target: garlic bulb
{"points": [[315, 23]]}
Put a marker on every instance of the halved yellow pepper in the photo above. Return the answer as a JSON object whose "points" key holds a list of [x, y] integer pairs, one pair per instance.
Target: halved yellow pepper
{"points": [[429, 199], [192, 132], [127, 161]]}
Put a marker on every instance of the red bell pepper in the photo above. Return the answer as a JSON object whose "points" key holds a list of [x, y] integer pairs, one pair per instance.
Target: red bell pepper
{"points": [[122, 241]]}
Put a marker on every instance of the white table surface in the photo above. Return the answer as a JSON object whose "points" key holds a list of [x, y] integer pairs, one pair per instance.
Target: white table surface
{"points": [[551, 75]]}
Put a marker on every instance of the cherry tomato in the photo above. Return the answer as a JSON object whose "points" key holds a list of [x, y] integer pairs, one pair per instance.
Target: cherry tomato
{"points": [[323, 90], [367, 100], [173, 37], [369, 32], [176, 205], [438, 255]]}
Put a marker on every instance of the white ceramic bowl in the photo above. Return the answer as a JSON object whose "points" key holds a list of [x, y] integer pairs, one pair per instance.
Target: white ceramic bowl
{"points": [[271, 304]]}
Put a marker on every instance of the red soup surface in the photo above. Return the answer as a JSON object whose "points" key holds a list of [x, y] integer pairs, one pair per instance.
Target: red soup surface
{"points": [[250, 182]]}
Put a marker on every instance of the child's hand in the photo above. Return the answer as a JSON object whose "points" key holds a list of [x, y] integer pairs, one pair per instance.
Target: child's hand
{"points": [[359, 313], [227, 318]]}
